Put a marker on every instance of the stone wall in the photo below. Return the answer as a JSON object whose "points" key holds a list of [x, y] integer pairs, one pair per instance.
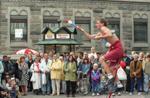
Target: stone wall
{"points": [[97, 8]]}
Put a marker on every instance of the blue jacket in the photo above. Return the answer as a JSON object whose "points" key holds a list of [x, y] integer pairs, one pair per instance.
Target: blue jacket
{"points": [[84, 68]]}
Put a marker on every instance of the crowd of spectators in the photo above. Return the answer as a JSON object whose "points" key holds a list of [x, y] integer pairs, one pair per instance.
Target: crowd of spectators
{"points": [[70, 73]]}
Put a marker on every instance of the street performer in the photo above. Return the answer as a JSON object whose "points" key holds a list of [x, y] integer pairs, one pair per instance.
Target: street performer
{"points": [[115, 52]]}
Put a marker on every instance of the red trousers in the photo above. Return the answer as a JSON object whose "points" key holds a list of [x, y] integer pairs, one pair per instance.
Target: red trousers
{"points": [[115, 53]]}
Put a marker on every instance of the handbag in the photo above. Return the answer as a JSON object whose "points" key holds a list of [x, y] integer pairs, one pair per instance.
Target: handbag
{"points": [[121, 74]]}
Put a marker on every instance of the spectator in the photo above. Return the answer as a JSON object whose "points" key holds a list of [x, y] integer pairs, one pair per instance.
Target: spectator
{"points": [[93, 53], [146, 73], [8, 68], [24, 78], [85, 55], [12, 87], [92, 59], [46, 86], [84, 68], [56, 71], [141, 56], [51, 53], [132, 53], [70, 70], [1, 71], [30, 62], [135, 74], [63, 84], [41, 54], [3, 93], [95, 78], [127, 60], [36, 75], [66, 56], [5, 81], [96, 60], [142, 59], [17, 71], [79, 58], [73, 54]]}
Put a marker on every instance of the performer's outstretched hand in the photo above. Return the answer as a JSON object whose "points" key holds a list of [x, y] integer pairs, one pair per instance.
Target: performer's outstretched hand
{"points": [[86, 33], [79, 28]]}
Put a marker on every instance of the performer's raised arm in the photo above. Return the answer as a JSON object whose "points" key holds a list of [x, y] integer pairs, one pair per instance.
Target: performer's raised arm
{"points": [[98, 36], [89, 36]]}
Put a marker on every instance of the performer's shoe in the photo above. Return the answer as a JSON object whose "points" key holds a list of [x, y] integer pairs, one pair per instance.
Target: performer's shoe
{"points": [[110, 76]]}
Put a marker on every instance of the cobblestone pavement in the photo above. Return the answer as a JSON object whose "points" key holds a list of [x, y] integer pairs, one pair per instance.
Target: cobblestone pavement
{"points": [[88, 96]]}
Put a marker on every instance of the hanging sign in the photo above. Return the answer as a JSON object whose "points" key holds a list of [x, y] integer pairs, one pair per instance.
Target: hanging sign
{"points": [[62, 36], [18, 33], [49, 35]]}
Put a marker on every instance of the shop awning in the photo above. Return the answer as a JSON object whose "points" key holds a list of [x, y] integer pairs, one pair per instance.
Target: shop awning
{"points": [[58, 42]]}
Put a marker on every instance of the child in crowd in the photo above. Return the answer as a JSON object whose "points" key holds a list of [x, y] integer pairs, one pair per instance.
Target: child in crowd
{"points": [[95, 79], [3, 93], [3, 90], [12, 87]]}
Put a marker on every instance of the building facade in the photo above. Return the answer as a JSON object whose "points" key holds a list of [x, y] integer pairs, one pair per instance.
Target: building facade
{"points": [[21, 22]]}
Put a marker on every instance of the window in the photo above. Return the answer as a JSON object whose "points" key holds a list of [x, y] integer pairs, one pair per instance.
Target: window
{"points": [[18, 28], [51, 22], [85, 23], [114, 24], [140, 30]]}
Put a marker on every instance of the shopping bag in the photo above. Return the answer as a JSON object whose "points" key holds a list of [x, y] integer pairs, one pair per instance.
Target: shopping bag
{"points": [[121, 74], [32, 77], [43, 78]]}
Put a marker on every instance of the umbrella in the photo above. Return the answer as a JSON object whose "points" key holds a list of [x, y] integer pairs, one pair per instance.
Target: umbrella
{"points": [[26, 51]]}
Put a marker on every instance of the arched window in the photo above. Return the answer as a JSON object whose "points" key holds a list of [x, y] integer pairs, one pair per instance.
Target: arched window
{"points": [[51, 19], [114, 25], [85, 23], [113, 20], [140, 29]]}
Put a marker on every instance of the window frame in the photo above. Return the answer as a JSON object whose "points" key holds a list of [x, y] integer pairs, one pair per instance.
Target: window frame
{"points": [[111, 20], [19, 19], [51, 19], [140, 21], [84, 20]]}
